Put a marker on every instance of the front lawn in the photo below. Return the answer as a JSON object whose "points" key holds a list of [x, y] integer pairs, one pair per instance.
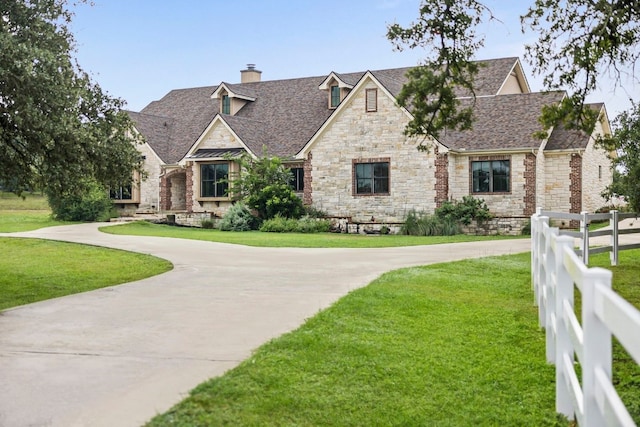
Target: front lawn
{"points": [[440, 345], [291, 240], [34, 270]]}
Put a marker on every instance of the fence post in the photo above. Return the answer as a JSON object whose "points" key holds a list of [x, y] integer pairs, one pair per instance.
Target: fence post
{"points": [[564, 345], [615, 237], [542, 268], [597, 345], [550, 290], [584, 229]]}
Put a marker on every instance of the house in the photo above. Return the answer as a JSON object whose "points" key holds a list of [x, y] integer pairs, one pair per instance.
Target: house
{"points": [[342, 135]]}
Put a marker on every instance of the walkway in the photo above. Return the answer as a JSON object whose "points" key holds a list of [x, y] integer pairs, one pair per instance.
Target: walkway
{"points": [[119, 355]]}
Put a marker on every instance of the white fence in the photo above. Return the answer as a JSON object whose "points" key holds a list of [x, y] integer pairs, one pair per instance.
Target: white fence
{"points": [[585, 218], [556, 271]]}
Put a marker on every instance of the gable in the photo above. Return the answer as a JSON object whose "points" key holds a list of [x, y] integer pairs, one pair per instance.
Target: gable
{"points": [[217, 138]]}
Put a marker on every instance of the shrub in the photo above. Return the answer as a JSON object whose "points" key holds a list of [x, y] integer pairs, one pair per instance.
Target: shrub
{"points": [[279, 224], [277, 199], [421, 224], [207, 223], [238, 218], [88, 202], [526, 229], [313, 212], [465, 211]]}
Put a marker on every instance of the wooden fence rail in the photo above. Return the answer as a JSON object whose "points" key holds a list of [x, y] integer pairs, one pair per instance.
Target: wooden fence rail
{"points": [[556, 272], [584, 235]]}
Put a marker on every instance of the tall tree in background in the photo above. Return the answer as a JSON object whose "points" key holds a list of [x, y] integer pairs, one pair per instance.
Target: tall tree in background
{"points": [[626, 141], [578, 40], [58, 129]]}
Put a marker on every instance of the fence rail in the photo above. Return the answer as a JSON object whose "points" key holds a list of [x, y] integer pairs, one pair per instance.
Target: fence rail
{"points": [[585, 218], [556, 272]]}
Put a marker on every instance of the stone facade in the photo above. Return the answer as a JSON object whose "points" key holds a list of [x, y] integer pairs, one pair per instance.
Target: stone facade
{"points": [[150, 186], [597, 174], [356, 135], [557, 189], [510, 204]]}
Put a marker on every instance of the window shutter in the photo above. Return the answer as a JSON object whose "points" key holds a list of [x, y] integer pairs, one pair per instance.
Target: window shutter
{"points": [[372, 100]]}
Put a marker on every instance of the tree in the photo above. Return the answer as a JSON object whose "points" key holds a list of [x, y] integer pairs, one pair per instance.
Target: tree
{"points": [[263, 184], [449, 27], [578, 40], [58, 129], [626, 141]]}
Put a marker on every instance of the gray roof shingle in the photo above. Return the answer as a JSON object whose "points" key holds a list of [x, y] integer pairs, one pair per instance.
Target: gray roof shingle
{"points": [[287, 113], [502, 122]]}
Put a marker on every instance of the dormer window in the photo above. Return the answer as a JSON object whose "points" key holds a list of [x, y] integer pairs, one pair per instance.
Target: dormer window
{"points": [[335, 96], [337, 89], [226, 104]]}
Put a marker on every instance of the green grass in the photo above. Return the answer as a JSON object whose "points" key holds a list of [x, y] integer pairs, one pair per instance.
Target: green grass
{"points": [[626, 372], [18, 214], [34, 270], [439, 345], [316, 240]]}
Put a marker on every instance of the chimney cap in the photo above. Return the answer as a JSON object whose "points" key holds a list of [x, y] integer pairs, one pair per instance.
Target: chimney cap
{"points": [[251, 67]]}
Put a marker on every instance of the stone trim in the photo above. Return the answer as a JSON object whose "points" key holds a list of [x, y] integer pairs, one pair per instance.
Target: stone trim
{"points": [[307, 195], [485, 159], [189, 185], [354, 162], [441, 177], [529, 184]]}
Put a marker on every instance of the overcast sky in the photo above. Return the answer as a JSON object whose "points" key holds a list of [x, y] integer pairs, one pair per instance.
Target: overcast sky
{"points": [[138, 50]]}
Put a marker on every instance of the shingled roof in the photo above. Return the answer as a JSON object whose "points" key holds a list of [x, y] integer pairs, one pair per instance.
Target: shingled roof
{"points": [[285, 113], [502, 122]]}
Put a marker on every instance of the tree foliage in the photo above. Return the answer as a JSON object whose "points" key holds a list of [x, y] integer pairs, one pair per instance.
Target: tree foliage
{"points": [[263, 184], [447, 29], [626, 142], [58, 129], [578, 40]]}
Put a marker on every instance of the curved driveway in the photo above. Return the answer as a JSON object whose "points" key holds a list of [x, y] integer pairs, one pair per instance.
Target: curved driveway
{"points": [[119, 355]]}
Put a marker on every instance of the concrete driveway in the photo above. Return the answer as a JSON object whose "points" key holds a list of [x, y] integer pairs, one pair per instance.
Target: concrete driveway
{"points": [[117, 356]]}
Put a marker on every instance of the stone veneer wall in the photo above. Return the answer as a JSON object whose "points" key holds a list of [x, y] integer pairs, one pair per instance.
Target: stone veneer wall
{"points": [[218, 136], [557, 189], [597, 174], [511, 204], [307, 197], [356, 134], [189, 188], [149, 187]]}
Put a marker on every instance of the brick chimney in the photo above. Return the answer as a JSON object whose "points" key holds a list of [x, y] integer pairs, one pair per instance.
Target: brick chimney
{"points": [[250, 75]]}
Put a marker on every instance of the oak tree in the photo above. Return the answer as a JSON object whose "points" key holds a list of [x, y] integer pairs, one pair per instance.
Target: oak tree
{"points": [[58, 129], [577, 41]]}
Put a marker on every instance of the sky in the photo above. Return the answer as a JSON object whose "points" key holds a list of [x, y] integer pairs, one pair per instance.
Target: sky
{"points": [[139, 50]]}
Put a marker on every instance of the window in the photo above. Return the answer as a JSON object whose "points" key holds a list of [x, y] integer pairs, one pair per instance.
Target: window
{"points": [[371, 178], [335, 96], [121, 193], [297, 182], [226, 104], [213, 178], [372, 100], [490, 176]]}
